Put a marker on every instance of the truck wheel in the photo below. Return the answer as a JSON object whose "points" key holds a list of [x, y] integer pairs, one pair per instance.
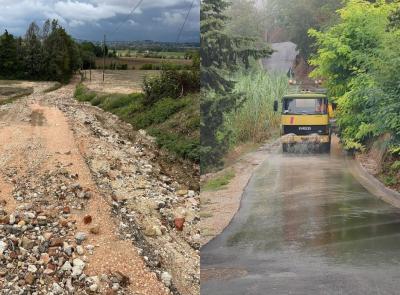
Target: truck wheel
{"points": [[284, 147], [326, 147]]}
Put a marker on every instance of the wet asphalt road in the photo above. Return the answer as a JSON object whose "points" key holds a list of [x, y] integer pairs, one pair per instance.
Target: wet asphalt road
{"points": [[305, 226]]}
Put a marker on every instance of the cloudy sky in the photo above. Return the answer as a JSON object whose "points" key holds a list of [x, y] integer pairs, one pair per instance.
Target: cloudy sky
{"points": [[158, 20]]}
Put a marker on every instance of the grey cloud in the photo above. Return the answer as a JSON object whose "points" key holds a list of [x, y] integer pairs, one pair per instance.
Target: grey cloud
{"points": [[89, 19]]}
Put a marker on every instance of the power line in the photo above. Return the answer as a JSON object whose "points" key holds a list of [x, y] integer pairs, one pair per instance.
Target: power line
{"points": [[184, 23], [129, 15]]}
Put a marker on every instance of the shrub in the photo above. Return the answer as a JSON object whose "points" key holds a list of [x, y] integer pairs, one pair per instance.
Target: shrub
{"points": [[181, 146], [158, 113], [83, 94], [122, 67], [114, 101], [395, 166], [96, 101], [173, 84]]}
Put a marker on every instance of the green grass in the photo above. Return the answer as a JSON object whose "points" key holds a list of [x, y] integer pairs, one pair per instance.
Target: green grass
{"points": [[218, 182], [389, 180], [83, 94], [395, 166], [184, 147], [173, 122]]}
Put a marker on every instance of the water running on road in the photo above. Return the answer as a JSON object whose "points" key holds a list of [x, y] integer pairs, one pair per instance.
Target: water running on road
{"points": [[306, 226]]}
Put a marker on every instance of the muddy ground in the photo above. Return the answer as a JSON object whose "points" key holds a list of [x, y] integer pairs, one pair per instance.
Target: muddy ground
{"points": [[85, 207]]}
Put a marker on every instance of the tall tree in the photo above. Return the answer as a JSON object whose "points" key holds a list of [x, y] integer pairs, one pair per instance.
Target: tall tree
{"points": [[359, 58], [221, 54], [298, 16], [62, 54], [8, 55], [33, 52]]}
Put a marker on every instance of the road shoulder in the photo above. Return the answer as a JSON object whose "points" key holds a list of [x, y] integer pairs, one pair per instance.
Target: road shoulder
{"points": [[372, 184], [219, 207]]}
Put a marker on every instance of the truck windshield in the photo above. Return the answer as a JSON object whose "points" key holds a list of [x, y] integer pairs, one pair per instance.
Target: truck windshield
{"points": [[307, 106]]}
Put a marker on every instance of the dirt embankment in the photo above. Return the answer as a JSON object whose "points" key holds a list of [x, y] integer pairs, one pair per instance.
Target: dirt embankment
{"points": [[218, 207], [85, 207]]}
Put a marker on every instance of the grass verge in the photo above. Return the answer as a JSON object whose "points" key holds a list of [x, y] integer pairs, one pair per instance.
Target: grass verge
{"points": [[218, 182], [173, 122]]}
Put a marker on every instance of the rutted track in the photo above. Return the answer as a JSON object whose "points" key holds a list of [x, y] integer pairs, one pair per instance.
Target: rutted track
{"points": [[68, 169]]}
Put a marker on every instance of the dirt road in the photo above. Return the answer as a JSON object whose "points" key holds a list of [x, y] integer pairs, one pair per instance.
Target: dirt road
{"points": [[84, 207], [305, 226]]}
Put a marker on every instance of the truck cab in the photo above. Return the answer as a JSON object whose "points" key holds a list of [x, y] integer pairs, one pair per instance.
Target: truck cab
{"points": [[305, 119]]}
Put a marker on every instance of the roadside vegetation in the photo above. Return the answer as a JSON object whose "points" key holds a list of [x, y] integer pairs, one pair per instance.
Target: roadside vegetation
{"points": [[168, 108], [255, 120], [218, 182], [359, 58], [224, 51]]}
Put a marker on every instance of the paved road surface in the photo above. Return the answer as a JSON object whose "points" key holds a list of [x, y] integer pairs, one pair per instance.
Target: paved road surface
{"points": [[282, 59], [306, 227]]}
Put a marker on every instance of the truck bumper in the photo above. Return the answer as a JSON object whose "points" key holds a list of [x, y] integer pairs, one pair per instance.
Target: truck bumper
{"points": [[313, 138]]}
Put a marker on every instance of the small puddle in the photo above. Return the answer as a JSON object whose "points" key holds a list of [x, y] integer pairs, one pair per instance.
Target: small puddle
{"points": [[37, 118]]}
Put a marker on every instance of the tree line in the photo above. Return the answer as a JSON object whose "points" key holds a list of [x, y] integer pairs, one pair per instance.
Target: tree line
{"points": [[46, 53], [223, 51], [359, 58]]}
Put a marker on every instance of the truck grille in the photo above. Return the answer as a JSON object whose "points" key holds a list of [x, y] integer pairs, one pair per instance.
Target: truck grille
{"points": [[305, 130]]}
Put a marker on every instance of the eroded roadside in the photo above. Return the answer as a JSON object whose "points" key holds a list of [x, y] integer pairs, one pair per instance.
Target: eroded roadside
{"points": [[85, 207], [218, 207]]}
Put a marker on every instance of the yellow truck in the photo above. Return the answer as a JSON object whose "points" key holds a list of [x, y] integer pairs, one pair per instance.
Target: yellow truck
{"points": [[306, 121]]}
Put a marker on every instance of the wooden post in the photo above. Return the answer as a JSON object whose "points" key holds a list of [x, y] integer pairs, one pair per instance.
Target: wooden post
{"points": [[104, 54]]}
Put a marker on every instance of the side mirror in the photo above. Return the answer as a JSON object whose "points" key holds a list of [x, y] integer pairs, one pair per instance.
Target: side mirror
{"points": [[275, 106]]}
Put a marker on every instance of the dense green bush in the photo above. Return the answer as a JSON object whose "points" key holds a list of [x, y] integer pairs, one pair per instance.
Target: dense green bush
{"points": [[171, 133], [158, 113], [181, 146], [82, 94], [359, 58], [173, 84]]}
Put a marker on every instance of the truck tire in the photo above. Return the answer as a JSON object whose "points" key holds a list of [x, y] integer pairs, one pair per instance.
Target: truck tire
{"points": [[284, 147], [326, 147]]}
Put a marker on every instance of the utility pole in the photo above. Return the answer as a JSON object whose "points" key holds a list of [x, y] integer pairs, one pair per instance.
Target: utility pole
{"points": [[90, 69], [104, 54]]}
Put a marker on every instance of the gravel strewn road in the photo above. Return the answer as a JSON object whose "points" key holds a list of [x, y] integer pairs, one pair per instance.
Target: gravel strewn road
{"points": [[85, 207]]}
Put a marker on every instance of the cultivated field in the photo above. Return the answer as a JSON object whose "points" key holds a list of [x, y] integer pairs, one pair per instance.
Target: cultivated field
{"points": [[134, 53], [137, 62], [117, 81]]}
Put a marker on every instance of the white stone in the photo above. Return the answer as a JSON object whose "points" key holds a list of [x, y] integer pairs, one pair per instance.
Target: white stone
{"points": [[166, 278], [32, 268]]}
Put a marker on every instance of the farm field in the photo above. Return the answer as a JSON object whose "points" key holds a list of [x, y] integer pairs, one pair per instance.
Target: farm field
{"points": [[116, 81], [135, 53], [137, 62]]}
